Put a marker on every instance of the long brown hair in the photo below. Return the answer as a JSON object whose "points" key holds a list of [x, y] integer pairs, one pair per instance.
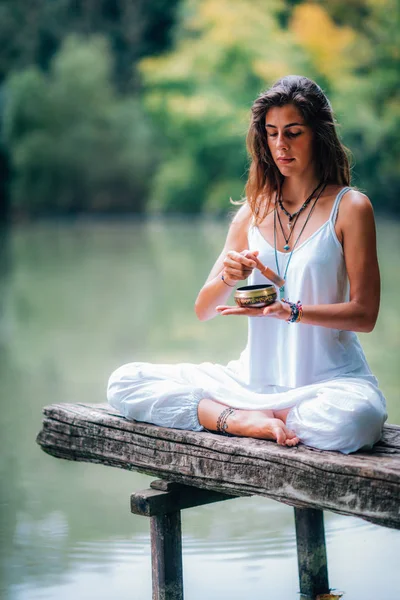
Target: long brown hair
{"points": [[331, 157]]}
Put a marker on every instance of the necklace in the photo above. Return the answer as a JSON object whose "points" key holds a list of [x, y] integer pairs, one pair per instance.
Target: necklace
{"points": [[303, 206], [282, 289], [286, 246]]}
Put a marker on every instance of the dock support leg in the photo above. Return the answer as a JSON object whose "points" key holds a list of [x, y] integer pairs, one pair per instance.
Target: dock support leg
{"points": [[166, 556], [163, 503], [311, 552]]}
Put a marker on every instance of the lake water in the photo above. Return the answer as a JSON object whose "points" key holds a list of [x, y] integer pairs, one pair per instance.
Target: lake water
{"points": [[81, 299]]}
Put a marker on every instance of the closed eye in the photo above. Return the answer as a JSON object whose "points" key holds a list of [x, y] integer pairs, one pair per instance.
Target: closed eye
{"points": [[288, 133]]}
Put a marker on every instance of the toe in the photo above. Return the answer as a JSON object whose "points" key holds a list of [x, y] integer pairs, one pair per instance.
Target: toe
{"points": [[292, 441], [280, 436], [290, 434]]}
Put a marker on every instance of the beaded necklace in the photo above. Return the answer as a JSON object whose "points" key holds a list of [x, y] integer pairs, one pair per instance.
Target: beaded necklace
{"points": [[292, 226], [302, 207], [282, 289], [292, 217]]}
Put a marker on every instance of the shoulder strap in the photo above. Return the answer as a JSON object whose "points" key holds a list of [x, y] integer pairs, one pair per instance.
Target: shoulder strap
{"points": [[335, 208], [250, 232]]}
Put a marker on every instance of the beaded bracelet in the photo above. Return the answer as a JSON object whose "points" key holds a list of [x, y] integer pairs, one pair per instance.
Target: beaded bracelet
{"points": [[296, 311]]}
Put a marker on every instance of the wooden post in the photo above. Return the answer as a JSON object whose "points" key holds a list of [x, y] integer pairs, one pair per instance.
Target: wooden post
{"points": [[166, 556], [163, 503], [311, 552]]}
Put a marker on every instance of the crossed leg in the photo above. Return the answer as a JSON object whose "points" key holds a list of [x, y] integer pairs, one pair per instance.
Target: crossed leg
{"points": [[262, 424], [344, 415]]}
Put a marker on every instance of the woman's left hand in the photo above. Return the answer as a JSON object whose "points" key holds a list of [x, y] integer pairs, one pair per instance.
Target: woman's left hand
{"points": [[278, 310]]}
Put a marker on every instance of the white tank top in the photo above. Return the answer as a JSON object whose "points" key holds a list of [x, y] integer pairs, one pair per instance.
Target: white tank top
{"points": [[295, 354]]}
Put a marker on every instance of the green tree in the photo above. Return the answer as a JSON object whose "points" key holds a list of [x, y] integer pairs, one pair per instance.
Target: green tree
{"points": [[199, 96], [75, 144], [368, 98], [32, 32], [226, 53], [378, 149]]}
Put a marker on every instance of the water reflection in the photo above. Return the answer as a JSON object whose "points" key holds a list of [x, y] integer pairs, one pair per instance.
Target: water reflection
{"points": [[100, 569], [85, 298]]}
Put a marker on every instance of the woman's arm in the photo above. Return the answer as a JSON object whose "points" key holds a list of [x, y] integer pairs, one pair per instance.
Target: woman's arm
{"points": [[356, 229], [231, 262], [356, 225]]}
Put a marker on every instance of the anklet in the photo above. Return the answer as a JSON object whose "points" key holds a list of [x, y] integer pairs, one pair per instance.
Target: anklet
{"points": [[222, 425]]}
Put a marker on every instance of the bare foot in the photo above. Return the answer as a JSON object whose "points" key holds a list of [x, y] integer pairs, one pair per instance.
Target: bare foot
{"points": [[259, 425], [280, 433]]}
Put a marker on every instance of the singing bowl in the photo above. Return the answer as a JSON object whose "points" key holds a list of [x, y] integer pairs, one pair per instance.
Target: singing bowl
{"points": [[255, 296]]}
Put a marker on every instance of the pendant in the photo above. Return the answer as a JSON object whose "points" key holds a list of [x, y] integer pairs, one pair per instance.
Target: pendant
{"points": [[289, 225], [281, 292], [286, 247]]}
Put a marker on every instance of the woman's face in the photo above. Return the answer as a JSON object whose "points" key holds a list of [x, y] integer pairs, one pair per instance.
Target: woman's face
{"points": [[290, 140]]}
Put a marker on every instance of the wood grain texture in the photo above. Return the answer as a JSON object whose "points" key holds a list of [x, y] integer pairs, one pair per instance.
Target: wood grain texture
{"points": [[152, 502], [166, 556], [364, 484], [311, 551]]}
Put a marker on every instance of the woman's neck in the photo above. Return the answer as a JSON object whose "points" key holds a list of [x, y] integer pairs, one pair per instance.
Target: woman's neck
{"points": [[296, 190]]}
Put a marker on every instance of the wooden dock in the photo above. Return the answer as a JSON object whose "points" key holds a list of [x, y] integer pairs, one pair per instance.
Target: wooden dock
{"points": [[199, 467]]}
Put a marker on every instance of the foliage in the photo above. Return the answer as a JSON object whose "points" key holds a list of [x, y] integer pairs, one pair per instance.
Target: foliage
{"points": [[31, 33], [326, 43], [75, 144], [147, 108], [369, 100], [226, 53], [200, 94]]}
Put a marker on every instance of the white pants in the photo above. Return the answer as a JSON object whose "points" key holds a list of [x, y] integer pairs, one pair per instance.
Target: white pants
{"points": [[343, 414]]}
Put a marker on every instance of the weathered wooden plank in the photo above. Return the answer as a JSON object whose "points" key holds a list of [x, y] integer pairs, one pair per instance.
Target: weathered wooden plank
{"points": [[311, 552], [90, 457], [361, 463], [166, 556], [163, 457], [150, 503], [94, 422], [366, 485], [165, 486]]}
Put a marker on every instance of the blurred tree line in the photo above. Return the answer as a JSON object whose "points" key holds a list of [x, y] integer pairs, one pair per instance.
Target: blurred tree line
{"points": [[126, 105]]}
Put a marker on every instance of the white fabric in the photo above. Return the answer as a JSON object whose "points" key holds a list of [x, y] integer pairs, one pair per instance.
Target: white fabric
{"points": [[322, 373], [298, 354]]}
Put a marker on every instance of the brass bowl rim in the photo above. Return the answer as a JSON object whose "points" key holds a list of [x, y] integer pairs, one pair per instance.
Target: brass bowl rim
{"points": [[256, 291], [256, 288]]}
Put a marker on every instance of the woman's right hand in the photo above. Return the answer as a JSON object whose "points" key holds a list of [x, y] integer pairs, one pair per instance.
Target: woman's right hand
{"points": [[238, 265], [233, 263]]}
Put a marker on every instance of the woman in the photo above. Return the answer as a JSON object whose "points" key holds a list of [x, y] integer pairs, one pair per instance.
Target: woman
{"points": [[303, 375]]}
